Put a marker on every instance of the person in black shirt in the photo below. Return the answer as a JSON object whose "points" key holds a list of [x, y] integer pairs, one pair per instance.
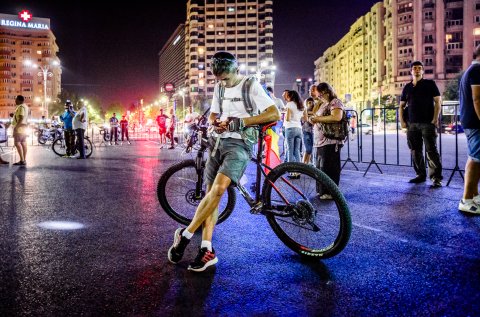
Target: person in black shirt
{"points": [[424, 103], [469, 93]]}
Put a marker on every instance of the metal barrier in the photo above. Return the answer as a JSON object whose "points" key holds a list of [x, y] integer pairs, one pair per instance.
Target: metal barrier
{"points": [[366, 120]]}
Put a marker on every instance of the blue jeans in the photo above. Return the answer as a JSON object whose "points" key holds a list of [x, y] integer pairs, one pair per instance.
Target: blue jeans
{"points": [[294, 142]]}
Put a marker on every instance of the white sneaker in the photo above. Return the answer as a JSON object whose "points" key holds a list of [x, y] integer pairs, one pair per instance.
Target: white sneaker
{"points": [[469, 205], [476, 199], [326, 197]]}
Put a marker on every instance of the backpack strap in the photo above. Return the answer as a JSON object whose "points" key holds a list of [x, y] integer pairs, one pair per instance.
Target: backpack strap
{"points": [[247, 102], [221, 94]]}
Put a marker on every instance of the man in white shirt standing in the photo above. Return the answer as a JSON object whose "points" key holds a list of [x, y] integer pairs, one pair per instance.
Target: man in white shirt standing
{"points": [[79, 123], [229, 157], [19, 123]]}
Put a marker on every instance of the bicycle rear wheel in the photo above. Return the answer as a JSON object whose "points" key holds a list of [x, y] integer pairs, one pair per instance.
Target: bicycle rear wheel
{"points": [[88, 147], [177, 196], [306, 224], [59, 147]]}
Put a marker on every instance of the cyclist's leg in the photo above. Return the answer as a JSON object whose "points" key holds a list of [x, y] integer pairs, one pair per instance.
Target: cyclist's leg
{"points": [[208, 206]]}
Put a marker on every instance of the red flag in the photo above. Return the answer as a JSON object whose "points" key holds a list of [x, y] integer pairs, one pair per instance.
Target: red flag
{"points": [[271, 158]]}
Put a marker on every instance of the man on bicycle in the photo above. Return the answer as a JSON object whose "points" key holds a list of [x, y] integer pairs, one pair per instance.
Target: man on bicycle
{"points": [[229, 153]]}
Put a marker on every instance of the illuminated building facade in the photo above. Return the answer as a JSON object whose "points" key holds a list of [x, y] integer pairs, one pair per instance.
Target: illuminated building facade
{"points": [[242, 27], [440, 33], [172, 60], [27, 44]]}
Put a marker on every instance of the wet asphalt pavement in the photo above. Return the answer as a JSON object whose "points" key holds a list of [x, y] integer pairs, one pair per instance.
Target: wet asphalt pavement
{"points": [[88, 238]]}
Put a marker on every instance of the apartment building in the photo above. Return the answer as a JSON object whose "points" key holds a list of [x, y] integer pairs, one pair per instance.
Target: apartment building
{"points": [[172, 60], [242, 27], [354, 65], [29, 65], [440, 33]]}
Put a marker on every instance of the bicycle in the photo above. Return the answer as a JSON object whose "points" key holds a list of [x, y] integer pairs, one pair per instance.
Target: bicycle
{"points": [[59, 147], [304, 223]]}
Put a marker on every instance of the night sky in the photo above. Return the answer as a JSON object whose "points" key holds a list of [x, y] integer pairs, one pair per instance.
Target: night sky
{"points": [[112, 50]]}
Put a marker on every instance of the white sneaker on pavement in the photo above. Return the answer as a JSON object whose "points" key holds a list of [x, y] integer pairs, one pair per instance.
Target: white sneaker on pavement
{"points": [[469, 205], [326, 197]]}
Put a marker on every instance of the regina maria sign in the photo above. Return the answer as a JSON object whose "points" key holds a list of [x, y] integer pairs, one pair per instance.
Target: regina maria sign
{"points": [[24, 20]]}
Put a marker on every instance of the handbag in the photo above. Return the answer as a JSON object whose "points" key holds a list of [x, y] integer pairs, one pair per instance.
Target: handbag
{"points": [[335, 130]]}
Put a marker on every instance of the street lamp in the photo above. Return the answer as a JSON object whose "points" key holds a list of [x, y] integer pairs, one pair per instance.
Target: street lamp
{"points": [[264, 67], [299, 83], [45, 72], [182, 93]]}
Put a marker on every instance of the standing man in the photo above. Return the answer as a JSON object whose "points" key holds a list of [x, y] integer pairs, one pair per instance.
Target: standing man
{"points": [[124, 127], [469, 93], [67, 118], [19, 123], [171, 128], [424, 102], [162, 127], [191, 116], [80, 125], [280, 106], [228, 158], [278, 102], [114, 129]]}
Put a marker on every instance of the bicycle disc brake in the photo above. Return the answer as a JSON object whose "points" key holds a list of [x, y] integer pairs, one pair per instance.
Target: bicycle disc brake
{"points": [[304, 213], [192, 198]]}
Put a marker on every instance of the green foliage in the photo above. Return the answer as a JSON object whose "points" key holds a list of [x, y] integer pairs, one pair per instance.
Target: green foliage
{"points": [[116, 108], [451, 89]]}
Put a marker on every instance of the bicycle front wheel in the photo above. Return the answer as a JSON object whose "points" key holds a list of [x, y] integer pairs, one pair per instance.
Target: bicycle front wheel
{"points": [[306, 224], [176, 192], [59, 147]]}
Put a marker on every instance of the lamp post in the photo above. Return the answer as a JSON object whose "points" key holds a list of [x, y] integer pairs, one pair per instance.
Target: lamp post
{"points": [[45, 72], [264, 67], [182, 93], [299, 83]]}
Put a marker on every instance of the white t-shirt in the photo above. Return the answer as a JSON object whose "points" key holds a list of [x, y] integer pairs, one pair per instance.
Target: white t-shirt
{"points": [[233, 105], [295, 116], [77, 123], [191, 117]]}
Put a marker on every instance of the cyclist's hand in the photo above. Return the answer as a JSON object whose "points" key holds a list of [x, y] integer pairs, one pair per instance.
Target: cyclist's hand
{"points": [[220, 126], [235, 124]]}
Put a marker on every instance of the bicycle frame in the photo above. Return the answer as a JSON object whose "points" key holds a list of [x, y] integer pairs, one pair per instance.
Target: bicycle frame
{"points": [[255, 202]]}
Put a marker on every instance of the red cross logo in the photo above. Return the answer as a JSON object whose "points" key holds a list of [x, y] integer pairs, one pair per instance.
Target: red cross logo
{"points": [[25, 15]]}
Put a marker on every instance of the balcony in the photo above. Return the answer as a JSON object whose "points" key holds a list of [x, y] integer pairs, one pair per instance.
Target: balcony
{"points": [[428, 5], [454, 24]]}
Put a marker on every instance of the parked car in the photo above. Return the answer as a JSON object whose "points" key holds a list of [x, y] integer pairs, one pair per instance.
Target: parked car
{"points": [[454, 126], [365, 128]]}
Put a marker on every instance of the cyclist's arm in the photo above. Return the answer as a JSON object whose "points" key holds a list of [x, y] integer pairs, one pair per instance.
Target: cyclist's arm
{"points": [[270, 114]]}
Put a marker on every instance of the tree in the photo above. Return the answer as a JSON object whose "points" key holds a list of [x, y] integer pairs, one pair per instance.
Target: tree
{"points": [[115, 107], [451, 89]]}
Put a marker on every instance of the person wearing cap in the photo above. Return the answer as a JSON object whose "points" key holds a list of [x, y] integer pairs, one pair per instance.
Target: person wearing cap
{"points": [[228, 158], [67, 118]]}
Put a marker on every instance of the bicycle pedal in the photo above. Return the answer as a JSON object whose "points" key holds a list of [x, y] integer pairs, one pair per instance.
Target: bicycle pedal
{"points": [[255, 210]]}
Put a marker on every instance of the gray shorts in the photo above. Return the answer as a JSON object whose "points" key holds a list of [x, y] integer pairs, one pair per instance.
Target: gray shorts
{"points": [[19, 138], [231, 159]]}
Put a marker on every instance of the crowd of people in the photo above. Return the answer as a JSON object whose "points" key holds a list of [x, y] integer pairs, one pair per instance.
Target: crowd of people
{"points": [[303, 125]]}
